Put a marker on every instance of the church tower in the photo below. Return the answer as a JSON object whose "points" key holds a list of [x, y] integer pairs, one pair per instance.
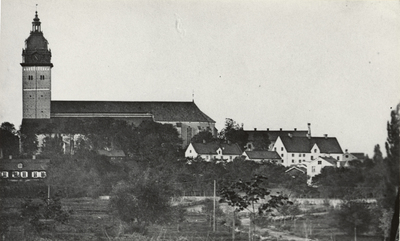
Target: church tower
{"points": [[36, 74]]}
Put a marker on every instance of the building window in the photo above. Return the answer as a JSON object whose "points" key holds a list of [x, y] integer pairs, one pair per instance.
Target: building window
{"points": [[299, 155], [15, 174], [347, 156], [304, 155], [282, 155], [315, 150], [338, 158], [319, 162], [43, 174], [281, 148], [4, 174], [24, 174], [30, 77], [292, 161], [42, 77], [312, 169], [312, 158], [299, 161], [230, 157], [292, 154], [190, 151]]}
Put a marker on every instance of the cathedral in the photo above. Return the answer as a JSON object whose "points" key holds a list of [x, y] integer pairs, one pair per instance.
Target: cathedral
{"points": [[38, 106]]}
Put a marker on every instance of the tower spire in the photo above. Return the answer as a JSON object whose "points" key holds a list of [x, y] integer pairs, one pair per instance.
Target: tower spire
{"points": [[36, 22]]}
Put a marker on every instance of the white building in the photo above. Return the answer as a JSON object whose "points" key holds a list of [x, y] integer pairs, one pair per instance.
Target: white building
{"points": [[213, 150]]}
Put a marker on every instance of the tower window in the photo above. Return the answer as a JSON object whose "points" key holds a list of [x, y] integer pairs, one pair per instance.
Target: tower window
{"points": [[42, 77], [30, 77]]}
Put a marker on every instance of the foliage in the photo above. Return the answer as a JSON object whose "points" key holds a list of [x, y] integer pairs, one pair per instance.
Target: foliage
{"points": [[203, 136], [261, 141], [385, 221], [246, 194], [37, 211], [29, 139], [143, 200], [208, 209], [9, 140], [234, 133], [353, 216]]}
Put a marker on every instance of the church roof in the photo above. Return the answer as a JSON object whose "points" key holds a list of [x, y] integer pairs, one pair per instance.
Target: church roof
{"points": [[304, 144], [162, 111], [273, 134]]}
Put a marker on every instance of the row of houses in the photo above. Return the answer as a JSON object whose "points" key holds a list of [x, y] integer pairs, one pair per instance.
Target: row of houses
{"points": [[288, 148]]}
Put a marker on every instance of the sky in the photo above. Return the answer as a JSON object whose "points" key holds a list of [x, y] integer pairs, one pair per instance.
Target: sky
{"points": [[264, 63]]}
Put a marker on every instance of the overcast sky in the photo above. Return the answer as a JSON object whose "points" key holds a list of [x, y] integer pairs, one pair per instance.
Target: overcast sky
{"points": [[267, 64]]}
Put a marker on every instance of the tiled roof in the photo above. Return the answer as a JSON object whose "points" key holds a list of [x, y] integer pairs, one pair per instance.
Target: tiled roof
{"points": [[162, 111], [304, 144], [27, 164], [263, 155], [212, 147], [273, 134]]}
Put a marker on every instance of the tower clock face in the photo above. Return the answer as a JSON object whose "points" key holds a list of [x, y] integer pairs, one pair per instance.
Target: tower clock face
{"points": [[37, 57]]}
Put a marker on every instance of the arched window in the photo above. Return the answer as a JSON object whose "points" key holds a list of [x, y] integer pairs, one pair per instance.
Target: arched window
{"points": [[15, 174], [43, 174], [24, 174], [4, 174]]}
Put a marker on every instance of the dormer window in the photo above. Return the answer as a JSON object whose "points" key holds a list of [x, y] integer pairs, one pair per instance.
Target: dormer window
{"points": [[20, 165], [315, 150]]}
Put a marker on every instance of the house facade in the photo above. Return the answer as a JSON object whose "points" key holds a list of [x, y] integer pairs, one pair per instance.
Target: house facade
{"points": [[213, 151], [300, 150], [15, 170], [314, 167]]}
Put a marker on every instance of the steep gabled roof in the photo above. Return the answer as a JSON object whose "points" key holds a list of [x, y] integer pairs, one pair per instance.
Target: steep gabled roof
{"points": [[273, 134], [162, 111], [301, 169], [262, 155], [212, 147], [304, 144]]}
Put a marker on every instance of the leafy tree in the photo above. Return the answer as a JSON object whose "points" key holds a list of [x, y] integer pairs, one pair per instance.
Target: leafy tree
{"points": [[143, 200], [29, 131], [261, 141], [34, 211], [244, 195], [353, 216], [203, 136], [233, 133], [9, 140]]}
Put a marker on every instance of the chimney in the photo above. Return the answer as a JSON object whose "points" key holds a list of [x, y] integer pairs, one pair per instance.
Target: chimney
{"points": [[33, 157], [290, 135], [309, 129], [10, 157], [255, 129], [267, 129], [295, 129], [346, 151], [280, 129], [326, 136]]}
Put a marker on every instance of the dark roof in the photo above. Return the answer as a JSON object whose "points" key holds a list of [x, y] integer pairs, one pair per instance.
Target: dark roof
{"points": [[212, 147], [263, 155], [273, 134], [304, 144], [331, 160], [162, 111], [27, 164], [359, 155]]}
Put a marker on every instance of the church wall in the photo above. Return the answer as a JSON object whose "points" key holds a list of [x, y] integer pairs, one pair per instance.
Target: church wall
{"points": [[187, 130]]}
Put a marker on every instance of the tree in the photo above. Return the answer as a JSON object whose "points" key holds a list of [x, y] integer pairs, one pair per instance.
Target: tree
{"points": [[261, 141], [9, 140], [244, 195], [233, 133], [29, 140], [353, 217], [203, 136], [142, 200]]}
